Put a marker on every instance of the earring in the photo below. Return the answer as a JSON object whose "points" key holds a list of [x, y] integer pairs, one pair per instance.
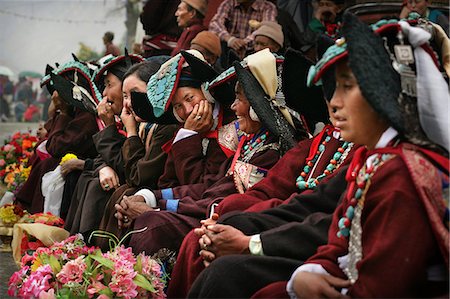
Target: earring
{"points": [[253, 115]]}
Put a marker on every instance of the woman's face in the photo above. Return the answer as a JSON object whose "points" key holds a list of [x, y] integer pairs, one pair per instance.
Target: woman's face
{"points": [[184, 16], [185, 99], [113, 92], [352, 114], [241, 108], [419, 6], [132, 84]]}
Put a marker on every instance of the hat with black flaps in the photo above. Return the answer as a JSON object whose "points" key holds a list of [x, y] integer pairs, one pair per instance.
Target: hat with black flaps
{"points": [[174, 73], [117, 65], [308, 101], [73, 81], [388, 81]]}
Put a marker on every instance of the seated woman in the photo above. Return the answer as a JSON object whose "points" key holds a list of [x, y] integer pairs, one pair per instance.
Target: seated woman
{"points": [[374, 249], [100, 176], [70, 130], [259, 127]]}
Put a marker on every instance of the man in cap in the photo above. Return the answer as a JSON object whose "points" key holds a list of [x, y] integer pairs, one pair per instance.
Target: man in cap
{"points": [[269, 35], [190, 15]]}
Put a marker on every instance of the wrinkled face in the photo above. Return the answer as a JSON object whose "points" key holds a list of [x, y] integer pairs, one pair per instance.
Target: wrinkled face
{"points": [[241, 108], [113, 92], [184, 100], [358, 121], [184, 16], [130, 84], [262, 42], [419, 6]]}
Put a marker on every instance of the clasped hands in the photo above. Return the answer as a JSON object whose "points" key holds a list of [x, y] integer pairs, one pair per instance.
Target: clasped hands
{"points": [[129, 208], [218, 240]]}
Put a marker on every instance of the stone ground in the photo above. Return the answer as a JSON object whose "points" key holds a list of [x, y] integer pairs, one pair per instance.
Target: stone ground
{"points": [[7, 265]]}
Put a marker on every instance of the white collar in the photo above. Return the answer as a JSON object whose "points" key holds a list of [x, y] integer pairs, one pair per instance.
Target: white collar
{"points": [[384, 140]]}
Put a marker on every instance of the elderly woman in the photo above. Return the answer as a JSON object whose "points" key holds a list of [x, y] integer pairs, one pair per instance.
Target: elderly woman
{"points": [[190, 15], [374, 249], [259, 127]]}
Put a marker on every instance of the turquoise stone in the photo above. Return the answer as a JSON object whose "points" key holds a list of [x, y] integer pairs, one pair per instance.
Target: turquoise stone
{"points": [[321, 147], [345, 232], [337, 156], [330, 167], [301, 185], [328, 138], [350, 212], [306, 169], [358, 193]]}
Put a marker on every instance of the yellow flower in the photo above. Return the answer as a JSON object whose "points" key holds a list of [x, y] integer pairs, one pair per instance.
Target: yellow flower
{"points": [[67, 157], [7, 214], [36, 264]]}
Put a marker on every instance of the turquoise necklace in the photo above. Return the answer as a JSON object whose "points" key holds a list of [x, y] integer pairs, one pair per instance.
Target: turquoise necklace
{"points": [[254, 143], [303, 182]]}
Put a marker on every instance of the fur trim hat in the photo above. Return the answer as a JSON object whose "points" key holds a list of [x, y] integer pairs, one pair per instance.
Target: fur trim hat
{"points": [[208, 40], [271, 30], [199, 5]]}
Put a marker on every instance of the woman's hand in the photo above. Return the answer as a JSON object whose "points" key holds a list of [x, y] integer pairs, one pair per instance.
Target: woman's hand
{"points": [[129, 121], [201, 118], [315, 285], [108, 178], [105, 112], [71, 165]]}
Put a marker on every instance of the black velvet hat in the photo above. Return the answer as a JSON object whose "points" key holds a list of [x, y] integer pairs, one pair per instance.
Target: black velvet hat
{"points": [[308, 101], [117, 65]]}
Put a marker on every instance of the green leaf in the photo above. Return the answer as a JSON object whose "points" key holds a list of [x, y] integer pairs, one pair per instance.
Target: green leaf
{"points": [[107, 292], [103, 261], [142, 282], [54, 263]]}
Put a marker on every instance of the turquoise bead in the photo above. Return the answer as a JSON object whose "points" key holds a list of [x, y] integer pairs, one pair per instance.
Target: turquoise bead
{"points": [[345, 232], [312, 184], [306, 169], [246, 147], [300, 179], [350, 212], [263, 137], [330, 167], [358, 193], [341, 223], [328, 138], [337, 156], [301, 185], [321, 147]]}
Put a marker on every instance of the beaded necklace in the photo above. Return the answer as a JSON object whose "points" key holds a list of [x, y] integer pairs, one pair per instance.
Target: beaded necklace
{"points": [[252, 145], [339, 156]]}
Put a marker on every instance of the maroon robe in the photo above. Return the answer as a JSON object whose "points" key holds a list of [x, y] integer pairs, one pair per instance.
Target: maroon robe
{"points": [[272, 191], [188, 34], [399, 243], [67, 134], [190, 210]]}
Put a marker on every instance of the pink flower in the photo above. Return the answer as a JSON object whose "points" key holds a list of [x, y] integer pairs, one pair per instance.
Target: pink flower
{"points": [[8, 148], [72, 271], [124, 268], [94, 288], [37, 282], [16, 281], [2, 162], [123, 287], [47, 295], [103, 296]]}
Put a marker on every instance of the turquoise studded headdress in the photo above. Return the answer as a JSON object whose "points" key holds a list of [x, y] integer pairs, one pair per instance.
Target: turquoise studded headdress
{"points": [[74, 79]]}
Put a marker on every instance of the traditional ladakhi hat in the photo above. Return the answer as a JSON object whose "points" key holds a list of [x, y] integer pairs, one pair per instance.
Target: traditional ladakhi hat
{"points": [[117, 65], [199, 5], [271, 30], [155, 105], [260, 76], [208, 40], [73, 81], [397, 72]]}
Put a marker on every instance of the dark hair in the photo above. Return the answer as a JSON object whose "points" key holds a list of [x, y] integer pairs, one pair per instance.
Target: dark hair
{"points": [[109, 36], [143, 70]]}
